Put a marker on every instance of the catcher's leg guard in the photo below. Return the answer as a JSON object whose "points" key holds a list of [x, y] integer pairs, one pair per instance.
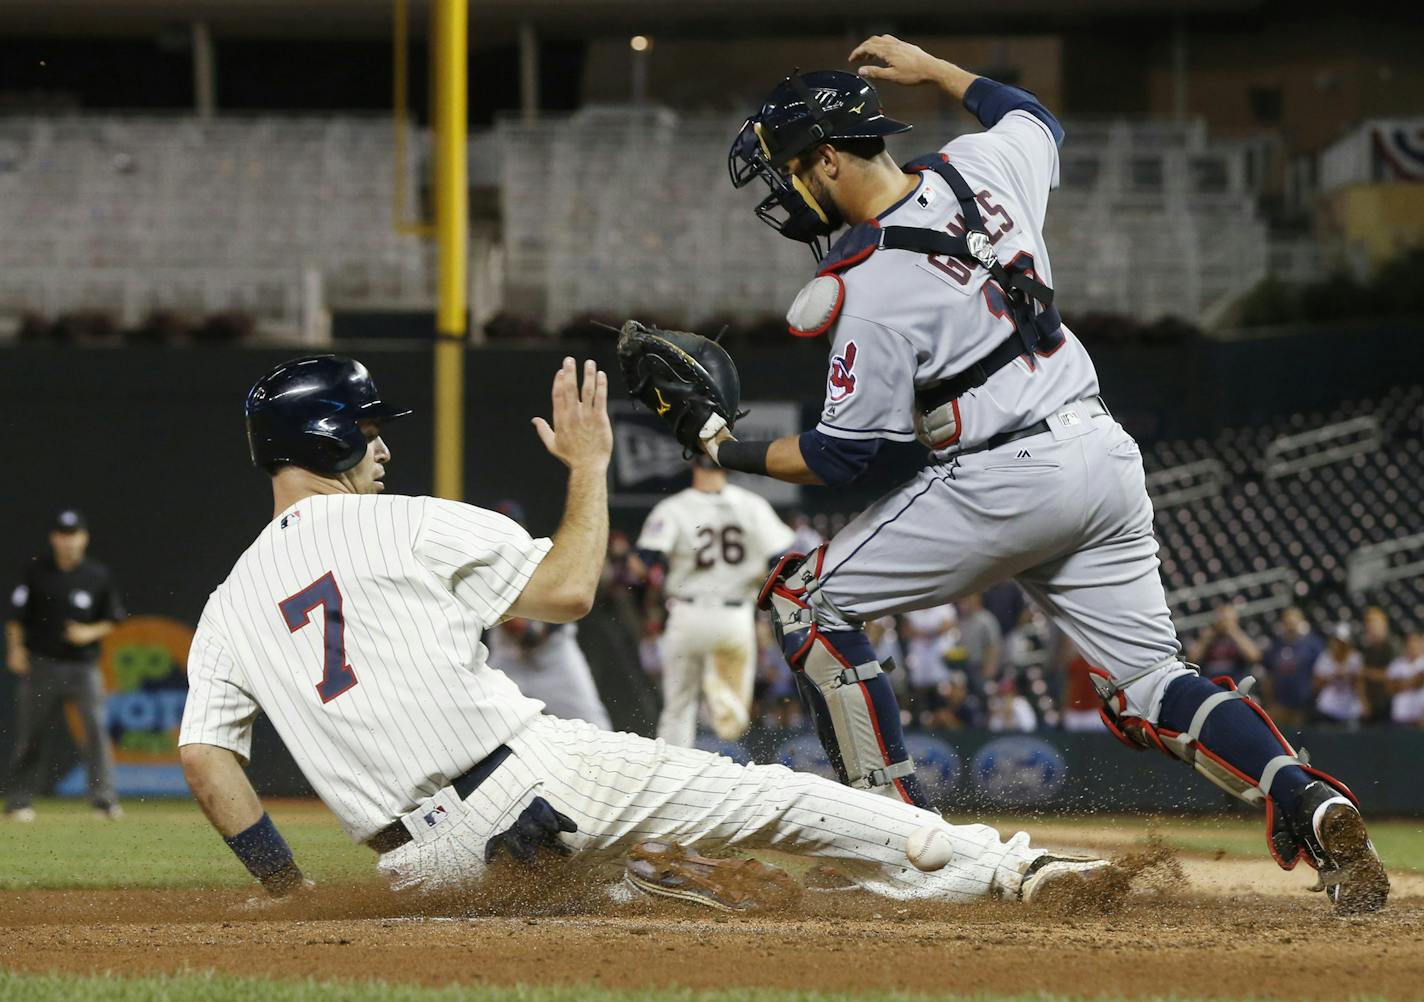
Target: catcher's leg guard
{"points": [[842, 685], [1226, 736]]}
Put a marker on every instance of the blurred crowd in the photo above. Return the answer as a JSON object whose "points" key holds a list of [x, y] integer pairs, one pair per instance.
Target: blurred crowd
{"points": [[1369, 674], [993, 661]]}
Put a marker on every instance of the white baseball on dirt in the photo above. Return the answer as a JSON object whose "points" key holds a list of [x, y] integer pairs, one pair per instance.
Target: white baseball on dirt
{"points": [[929, 848]]}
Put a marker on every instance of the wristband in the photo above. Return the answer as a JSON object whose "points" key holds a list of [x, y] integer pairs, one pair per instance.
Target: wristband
{"points": [[267, 856], [745, 457]]}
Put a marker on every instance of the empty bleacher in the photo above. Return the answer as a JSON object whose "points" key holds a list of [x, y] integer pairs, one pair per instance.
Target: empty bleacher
{"points": [[626, 210], [1296, 534], [134, 214]]}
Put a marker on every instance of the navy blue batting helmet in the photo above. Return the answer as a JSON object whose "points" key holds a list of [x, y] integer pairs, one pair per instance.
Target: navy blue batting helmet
{"points": [[308, 412]]}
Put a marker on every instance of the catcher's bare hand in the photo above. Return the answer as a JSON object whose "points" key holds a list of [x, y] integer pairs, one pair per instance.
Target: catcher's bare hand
{"points": [[579, 434], [904, 63]]}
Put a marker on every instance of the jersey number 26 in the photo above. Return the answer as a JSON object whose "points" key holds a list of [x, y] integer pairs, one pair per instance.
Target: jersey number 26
{"points": [[336, 674], [732, 547]]}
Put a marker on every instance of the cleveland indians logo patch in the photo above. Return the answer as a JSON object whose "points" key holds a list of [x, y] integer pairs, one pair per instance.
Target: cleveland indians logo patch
{"points": [[842, 380]]}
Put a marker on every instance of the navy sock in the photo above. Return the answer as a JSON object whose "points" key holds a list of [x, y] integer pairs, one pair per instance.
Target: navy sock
{"points": [[1235, 733]]}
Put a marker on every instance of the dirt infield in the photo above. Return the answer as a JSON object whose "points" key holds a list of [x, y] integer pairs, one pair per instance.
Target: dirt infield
{"points": [[1176, 934]]}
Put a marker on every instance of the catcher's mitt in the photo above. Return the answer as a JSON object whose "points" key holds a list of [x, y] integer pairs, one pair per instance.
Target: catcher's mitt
{"points": [[687, 380]]}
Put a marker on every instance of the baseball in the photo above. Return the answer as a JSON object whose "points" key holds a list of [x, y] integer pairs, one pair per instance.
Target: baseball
{"points": [[929, 848]]}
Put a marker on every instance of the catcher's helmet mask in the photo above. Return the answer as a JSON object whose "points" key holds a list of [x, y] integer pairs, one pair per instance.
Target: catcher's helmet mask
{"points": [[803, 111], [308, 412]]}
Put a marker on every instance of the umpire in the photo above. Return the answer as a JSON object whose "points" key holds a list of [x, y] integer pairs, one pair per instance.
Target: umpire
{"points": [[65, 604]]}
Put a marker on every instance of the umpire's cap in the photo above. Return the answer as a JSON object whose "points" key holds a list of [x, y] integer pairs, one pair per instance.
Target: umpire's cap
{"points": [[307, 412], [805, 110]]}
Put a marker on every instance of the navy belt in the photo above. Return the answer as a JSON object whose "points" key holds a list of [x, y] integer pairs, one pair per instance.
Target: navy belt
{"points": [[396, 834], [1094, 408], [730, 603]]}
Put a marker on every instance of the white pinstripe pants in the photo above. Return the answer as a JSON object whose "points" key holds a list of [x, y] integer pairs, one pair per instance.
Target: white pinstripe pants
{"points": [[622, 789]]}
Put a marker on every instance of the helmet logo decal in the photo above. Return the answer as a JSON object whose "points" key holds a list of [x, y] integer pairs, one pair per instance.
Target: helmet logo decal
{"points": [[857, 109], [663, 405], [842, 380]]}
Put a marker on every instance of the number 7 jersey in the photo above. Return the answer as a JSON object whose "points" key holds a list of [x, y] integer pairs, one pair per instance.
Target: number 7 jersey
{"points": [[907, 321], [354, 623]]}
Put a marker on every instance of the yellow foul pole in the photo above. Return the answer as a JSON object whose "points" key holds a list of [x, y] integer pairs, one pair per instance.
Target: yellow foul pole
{"points": [[451, 229]]}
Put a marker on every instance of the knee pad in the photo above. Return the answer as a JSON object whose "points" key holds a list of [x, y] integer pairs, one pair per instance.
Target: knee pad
{"points": [[842, 684]]}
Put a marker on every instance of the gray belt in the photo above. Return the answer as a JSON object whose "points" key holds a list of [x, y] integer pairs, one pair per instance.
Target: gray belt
{"points": [[1092, 406]]}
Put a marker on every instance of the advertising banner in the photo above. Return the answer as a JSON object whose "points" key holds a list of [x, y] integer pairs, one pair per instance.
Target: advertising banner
{"points": [[648, 463]]}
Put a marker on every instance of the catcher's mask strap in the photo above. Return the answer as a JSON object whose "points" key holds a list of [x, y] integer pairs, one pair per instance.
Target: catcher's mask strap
{"points": [[818, 130]]}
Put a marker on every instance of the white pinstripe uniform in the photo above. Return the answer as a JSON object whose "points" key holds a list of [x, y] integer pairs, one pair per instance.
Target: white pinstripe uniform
{"points": [[353, 622], [718, 545]]}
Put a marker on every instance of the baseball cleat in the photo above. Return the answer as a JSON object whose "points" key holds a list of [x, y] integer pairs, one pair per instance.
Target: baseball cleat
{"points": [[1058, 875], [24, 815], [1350, 871], [730, 885], [108, 812]]}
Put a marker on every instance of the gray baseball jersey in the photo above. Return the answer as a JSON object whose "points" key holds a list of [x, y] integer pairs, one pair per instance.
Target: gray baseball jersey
{"points": [[546, 662], [1064, 510], [911, 320]]}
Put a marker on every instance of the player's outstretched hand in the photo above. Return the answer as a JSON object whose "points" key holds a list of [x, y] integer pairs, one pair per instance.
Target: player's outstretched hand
{"points": [[903, 62], [579, 433]]}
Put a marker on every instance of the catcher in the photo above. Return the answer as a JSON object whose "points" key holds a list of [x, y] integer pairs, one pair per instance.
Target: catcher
{"points": [[954, 382]]}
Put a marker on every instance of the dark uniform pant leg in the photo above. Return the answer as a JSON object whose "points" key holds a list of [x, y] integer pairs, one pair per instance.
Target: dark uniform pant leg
{"points": [[88, 693], [39, 696]]}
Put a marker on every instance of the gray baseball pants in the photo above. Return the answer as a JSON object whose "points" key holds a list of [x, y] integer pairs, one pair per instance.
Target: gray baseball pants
{"points": [[39, 698], [1064, 513]]}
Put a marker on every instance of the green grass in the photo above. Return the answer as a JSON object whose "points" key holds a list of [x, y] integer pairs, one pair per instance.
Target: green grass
{"points": [[218, 988], [163, 843], [168, 843]]}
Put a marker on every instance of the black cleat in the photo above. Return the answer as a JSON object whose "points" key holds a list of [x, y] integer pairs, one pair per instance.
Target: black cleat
{"points": [[1333, 832]]}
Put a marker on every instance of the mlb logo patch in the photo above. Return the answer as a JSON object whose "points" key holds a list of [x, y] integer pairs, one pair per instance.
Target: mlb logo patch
{"points": [[433, 818], [292, 518]]}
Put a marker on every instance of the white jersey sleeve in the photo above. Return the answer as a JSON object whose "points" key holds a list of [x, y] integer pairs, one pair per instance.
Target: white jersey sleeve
{"points": [[481, 557], [1020, 149], [660, 531], [870, 386], [774, 535], [220, 708]]}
